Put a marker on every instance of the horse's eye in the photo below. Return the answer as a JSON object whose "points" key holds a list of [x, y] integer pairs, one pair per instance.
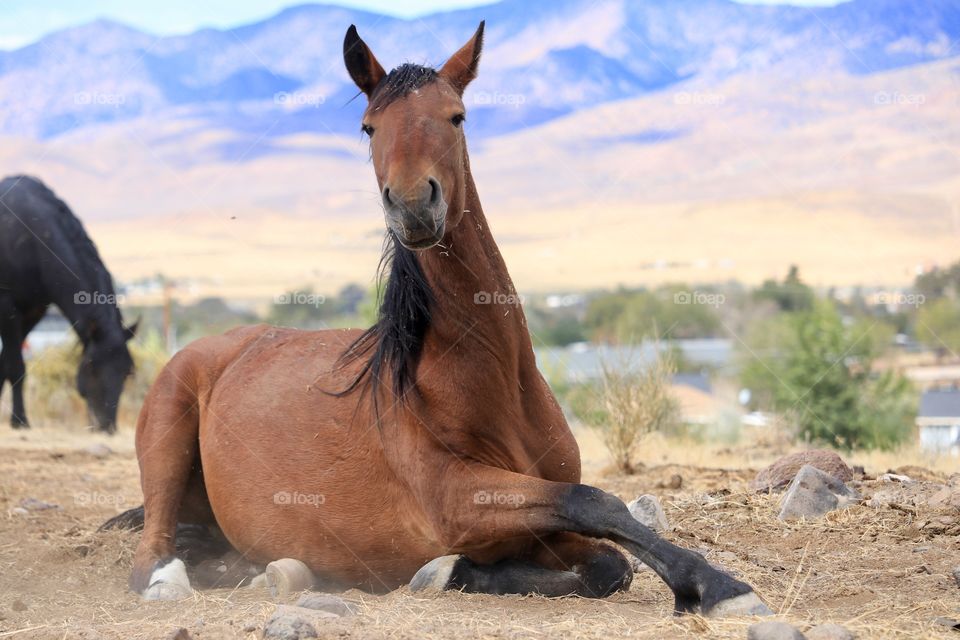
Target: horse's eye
{"points": [[458, 119], [367, 129]]}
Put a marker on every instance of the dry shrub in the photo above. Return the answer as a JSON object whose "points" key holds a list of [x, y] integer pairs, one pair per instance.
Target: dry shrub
{"points": [[630, 403]]}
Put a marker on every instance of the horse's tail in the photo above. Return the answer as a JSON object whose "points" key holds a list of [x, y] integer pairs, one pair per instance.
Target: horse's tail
{"points": [[129, 519]]}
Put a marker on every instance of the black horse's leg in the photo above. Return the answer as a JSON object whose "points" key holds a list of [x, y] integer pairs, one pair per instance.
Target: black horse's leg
{"points": [[11, 358], [566, 567], [539, 508]]}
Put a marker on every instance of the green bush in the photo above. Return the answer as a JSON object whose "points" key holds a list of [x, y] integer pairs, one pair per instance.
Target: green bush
{"points": [[817, 370]]}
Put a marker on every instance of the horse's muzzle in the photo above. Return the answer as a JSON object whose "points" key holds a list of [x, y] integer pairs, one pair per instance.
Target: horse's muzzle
{"points": [[417, 219]]}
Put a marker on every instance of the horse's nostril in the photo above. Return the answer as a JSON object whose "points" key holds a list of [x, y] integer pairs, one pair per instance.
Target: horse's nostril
{"points": [[386, 195], [434, 190]]}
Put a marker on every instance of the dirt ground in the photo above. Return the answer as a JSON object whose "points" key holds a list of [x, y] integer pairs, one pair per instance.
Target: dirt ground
{"points": [[882, 571]]}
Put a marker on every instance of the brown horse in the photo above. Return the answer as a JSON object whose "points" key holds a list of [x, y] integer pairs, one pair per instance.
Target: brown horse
{"points": [[427, 450]]}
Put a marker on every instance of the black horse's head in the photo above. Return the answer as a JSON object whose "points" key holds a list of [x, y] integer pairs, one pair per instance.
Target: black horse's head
{"points": [[104, 367]]}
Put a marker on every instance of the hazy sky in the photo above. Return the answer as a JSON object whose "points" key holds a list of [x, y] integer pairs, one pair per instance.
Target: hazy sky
{"points": [[23, 21]]}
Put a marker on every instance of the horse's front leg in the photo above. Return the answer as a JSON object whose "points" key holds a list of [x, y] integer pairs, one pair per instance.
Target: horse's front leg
{"points": [[561, 565], [481, 505], [12, 366]]}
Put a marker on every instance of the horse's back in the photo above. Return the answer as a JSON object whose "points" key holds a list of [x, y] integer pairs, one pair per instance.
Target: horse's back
{"points": [[43, 245]]}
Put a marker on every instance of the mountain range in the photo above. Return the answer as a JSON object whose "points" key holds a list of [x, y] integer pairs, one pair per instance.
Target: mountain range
{"points": [[614, 142], [543, 59]]}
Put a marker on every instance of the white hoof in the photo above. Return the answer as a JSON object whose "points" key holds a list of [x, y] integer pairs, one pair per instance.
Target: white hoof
{"points": [[169, 582], [435, 575], [286, 576], [746, 604]]}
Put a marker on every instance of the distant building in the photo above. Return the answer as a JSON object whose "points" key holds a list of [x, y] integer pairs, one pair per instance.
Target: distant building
{"points": [[939, 421], [582, 362]]}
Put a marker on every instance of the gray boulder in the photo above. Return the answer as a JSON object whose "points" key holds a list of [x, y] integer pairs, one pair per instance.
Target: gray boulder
{"points": [[326, 602], [288, 627], [647, 511], [829, 631], [814, 493], [773, 630]]}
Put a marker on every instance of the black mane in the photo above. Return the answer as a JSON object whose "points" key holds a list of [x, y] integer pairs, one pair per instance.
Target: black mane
{"points": [[395, 341], [399, 82]]}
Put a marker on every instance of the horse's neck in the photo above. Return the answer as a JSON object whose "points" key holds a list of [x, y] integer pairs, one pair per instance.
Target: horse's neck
{"points": [[476, 300], [85, 316]]}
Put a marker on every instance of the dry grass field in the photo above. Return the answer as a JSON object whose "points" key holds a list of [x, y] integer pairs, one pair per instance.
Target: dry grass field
{"points": [[883, 572]]}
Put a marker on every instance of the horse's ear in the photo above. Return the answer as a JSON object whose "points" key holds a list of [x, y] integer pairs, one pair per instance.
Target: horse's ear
{"points": [[131, 331], [361, 64], [461, 68]]}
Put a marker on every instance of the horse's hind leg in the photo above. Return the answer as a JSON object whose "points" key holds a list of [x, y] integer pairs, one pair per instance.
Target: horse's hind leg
{"points": [[168, 449], [564, 564]]}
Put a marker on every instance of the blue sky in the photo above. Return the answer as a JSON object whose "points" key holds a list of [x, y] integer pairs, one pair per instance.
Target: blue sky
{"points": [[23, 21]]}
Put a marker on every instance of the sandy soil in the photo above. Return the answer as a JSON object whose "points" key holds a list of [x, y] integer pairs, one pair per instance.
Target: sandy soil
{"points": [[884, 572]]}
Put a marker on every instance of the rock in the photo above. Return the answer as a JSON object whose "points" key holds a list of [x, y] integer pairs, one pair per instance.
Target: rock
{"points": [[288, 626], [179, 634], [947, 622], [19, 605], [894, 477], [18, 511], [636, 564], [99, 450], [647, 511], [945, 497], [32, 504], [259, 582], [773, 630], [956, 575], [829, 631], [783, 471], [675, 482], [326, 602], [814, 493]]}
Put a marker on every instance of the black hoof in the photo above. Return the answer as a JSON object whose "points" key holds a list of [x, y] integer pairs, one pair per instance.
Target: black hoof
{"points": [[19, 423], [715, 594]]}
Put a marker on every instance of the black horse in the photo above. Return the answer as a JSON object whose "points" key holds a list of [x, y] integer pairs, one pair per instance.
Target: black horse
{"points": [[47, 258]]}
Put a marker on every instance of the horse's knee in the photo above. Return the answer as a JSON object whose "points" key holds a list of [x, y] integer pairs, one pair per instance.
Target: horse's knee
{"points": [[605, 573]]}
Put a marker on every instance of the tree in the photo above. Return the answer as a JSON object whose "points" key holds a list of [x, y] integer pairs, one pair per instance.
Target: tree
{"points": [[939, 283], [814, 368], [671, 312], [938, 326], [790, 295]]}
